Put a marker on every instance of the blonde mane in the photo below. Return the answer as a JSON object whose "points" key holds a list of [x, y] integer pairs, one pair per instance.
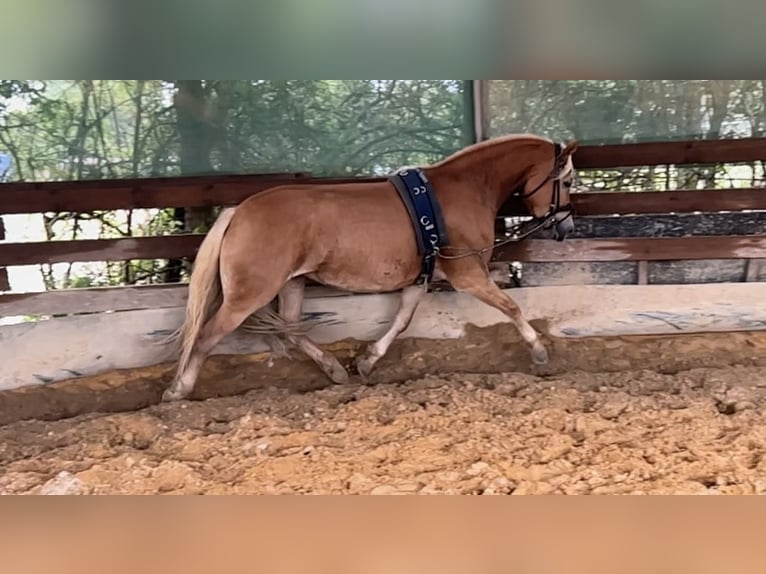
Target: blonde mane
{"points": [[487, 144]]}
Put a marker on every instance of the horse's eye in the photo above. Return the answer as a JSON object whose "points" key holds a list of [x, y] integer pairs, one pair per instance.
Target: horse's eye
{"points": [[568, 184]]}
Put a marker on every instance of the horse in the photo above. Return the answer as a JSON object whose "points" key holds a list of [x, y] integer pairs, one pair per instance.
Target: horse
{"points": [[366, 237]]}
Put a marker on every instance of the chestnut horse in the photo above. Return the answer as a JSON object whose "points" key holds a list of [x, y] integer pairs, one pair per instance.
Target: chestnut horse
{"points": [[359, 237]]}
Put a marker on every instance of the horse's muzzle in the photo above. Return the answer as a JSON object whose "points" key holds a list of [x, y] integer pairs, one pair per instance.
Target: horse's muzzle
{"points": [[563, 225]]}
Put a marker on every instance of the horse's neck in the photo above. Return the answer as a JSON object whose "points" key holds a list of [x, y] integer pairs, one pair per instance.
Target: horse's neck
{"points": [[490, 171]]}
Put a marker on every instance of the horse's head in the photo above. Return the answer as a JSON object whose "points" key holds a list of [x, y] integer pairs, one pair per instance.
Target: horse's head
{"points": [[546, 192]]}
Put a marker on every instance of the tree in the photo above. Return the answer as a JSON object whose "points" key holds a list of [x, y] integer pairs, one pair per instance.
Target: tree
{"points": [[91, 129], [624, 111]]}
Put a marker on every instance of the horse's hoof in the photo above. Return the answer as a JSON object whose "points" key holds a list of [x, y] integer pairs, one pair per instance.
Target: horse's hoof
{"points": [[171, 395], [364, 366], [539, 355], [338, 374]]}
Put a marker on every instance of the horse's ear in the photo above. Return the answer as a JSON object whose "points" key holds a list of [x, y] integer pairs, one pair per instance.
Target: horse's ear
{"points": [[565, 154], [570, 148]]}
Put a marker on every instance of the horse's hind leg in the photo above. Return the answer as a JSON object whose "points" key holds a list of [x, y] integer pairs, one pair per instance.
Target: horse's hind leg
{"points": [[225, 321], [410, 298], [290, 304]]}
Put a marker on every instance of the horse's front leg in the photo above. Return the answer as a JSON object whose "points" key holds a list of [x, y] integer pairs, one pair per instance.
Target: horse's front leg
{"points": [[470, 277], [410, 298]]}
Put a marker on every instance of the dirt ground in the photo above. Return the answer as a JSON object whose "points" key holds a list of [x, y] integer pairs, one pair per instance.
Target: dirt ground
{"points": [[700, 431]]}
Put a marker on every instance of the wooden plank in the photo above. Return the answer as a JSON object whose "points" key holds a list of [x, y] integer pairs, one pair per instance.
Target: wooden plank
{"points": [[100, 299], [481, 118], [163, 296], [680, 225], [202, 191], [671, 153], [83, 250], [643, 273], [541, 250], [702, 271], [634, 249], [4, 282], [92, 195], [93, 300], [571, 312], [753, 269], [579, 273], [656, 202], [706, 271], [679, 201], [135, 194]]}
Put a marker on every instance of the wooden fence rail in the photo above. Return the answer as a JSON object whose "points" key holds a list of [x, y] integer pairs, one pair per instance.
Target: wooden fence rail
{"points": [[531, 250], [594, 249], [634, 249], [4, 283], [92, 195], [586, 204], [689, 152], [114, 194]]}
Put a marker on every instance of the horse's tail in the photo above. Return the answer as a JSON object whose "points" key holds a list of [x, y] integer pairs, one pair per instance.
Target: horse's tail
{"points": [[205, 292]]}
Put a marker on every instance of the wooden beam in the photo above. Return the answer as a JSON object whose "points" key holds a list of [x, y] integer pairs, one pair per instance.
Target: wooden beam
{"points": [[680, 201], [93, 300], [635, 249], [163, 296], [671, 225], [643, 272], [93, 195], [100, 299], [753, 269], [135, 194], [671, 153], [101, 343], [481, 109], [68, 196], [656, 202], [123, 249], [4, 283], [201, 191], [534, 250]]}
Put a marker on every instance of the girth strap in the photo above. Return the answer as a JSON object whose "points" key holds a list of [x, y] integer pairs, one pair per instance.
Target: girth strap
{"points": [[416, 192]]}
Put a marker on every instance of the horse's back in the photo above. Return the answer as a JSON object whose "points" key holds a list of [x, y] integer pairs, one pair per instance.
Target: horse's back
{"points": [[351, 236], [339, 205]]}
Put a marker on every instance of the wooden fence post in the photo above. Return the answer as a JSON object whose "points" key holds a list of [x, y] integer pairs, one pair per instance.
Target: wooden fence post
{"points": [[4, 283], [643, 273], [753, 269]]}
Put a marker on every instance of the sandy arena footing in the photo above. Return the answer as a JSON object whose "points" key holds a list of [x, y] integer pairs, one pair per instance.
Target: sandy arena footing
{"points": [[644, 415]]}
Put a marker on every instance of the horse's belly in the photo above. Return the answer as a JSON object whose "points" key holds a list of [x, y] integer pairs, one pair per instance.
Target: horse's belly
{"points": [[368, 274]]}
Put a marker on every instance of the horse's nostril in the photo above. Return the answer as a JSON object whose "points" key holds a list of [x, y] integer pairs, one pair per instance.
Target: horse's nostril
{"points": [[563, 228]]}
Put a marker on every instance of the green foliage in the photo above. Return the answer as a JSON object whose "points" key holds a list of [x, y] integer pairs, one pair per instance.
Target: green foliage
{"points": [[94, 129], [63, 130], [15, 88], [623, 111], [629, 111], [86, 129]]}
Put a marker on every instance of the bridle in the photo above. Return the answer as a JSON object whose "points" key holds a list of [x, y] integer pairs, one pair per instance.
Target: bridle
{"points": [[555, 206], [523, 230]]}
